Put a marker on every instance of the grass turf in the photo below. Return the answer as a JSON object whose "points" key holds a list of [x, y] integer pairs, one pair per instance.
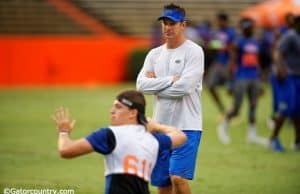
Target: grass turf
{"points": [[29, 158]]}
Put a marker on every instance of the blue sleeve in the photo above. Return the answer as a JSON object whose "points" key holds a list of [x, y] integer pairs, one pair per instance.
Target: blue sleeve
{"points": [[231, 35], [103, 140], [164, 141]]}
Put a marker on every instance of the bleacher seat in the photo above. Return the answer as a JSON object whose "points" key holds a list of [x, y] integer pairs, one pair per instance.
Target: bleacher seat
{"points": [[35, 17], [130, 17]]}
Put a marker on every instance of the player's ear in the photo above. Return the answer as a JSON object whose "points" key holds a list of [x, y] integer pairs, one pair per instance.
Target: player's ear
{"points": [[133, 113]]}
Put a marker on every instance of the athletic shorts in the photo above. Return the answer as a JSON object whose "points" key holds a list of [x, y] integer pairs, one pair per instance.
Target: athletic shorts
{"points": [[217, 75], [242, 87], [286, 99], [181, 161]]}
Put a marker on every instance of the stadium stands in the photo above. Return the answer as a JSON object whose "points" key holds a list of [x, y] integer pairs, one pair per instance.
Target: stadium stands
{"points": [[35, 17], [136, 16], [131, 17]]}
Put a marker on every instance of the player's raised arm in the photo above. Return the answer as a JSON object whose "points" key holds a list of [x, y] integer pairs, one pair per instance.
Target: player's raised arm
{"points": [[177, 136], [69, 148]]}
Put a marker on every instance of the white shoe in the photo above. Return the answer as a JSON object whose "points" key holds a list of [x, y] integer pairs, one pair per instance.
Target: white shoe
{"points": [[253, 138], [222, 134], [295, 147]]}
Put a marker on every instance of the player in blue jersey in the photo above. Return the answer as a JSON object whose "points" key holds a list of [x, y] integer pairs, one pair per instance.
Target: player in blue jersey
{"points": [[222, 39], [286, 85], [130, 150], [244, 68], [279, 86]]}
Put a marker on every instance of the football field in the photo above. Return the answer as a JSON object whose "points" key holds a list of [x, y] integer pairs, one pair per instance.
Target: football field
{"points": [[29, 157]]}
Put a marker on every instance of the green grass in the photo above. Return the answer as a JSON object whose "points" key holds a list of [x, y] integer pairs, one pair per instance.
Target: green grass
{"points": [[29, 157]]}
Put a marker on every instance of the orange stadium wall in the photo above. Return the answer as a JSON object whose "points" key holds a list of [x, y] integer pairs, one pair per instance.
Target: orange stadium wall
{"points": [[64, 60]]}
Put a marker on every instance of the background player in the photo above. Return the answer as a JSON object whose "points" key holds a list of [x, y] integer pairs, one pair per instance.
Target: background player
{"points": [[286, 87], [222, 39], [244, 68]]}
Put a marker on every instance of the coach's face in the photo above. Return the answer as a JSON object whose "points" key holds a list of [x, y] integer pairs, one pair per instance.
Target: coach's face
{"points": [[121, 114], [172, 29]]}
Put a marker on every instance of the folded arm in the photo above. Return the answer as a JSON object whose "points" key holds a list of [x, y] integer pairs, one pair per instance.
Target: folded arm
{"points": [[147, 82], [188, 80], [152, 85]]}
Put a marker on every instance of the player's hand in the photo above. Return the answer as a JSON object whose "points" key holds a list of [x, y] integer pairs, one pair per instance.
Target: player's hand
{"points": [[175, 78], [150, 74], [62, 120], [151, 125]]}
